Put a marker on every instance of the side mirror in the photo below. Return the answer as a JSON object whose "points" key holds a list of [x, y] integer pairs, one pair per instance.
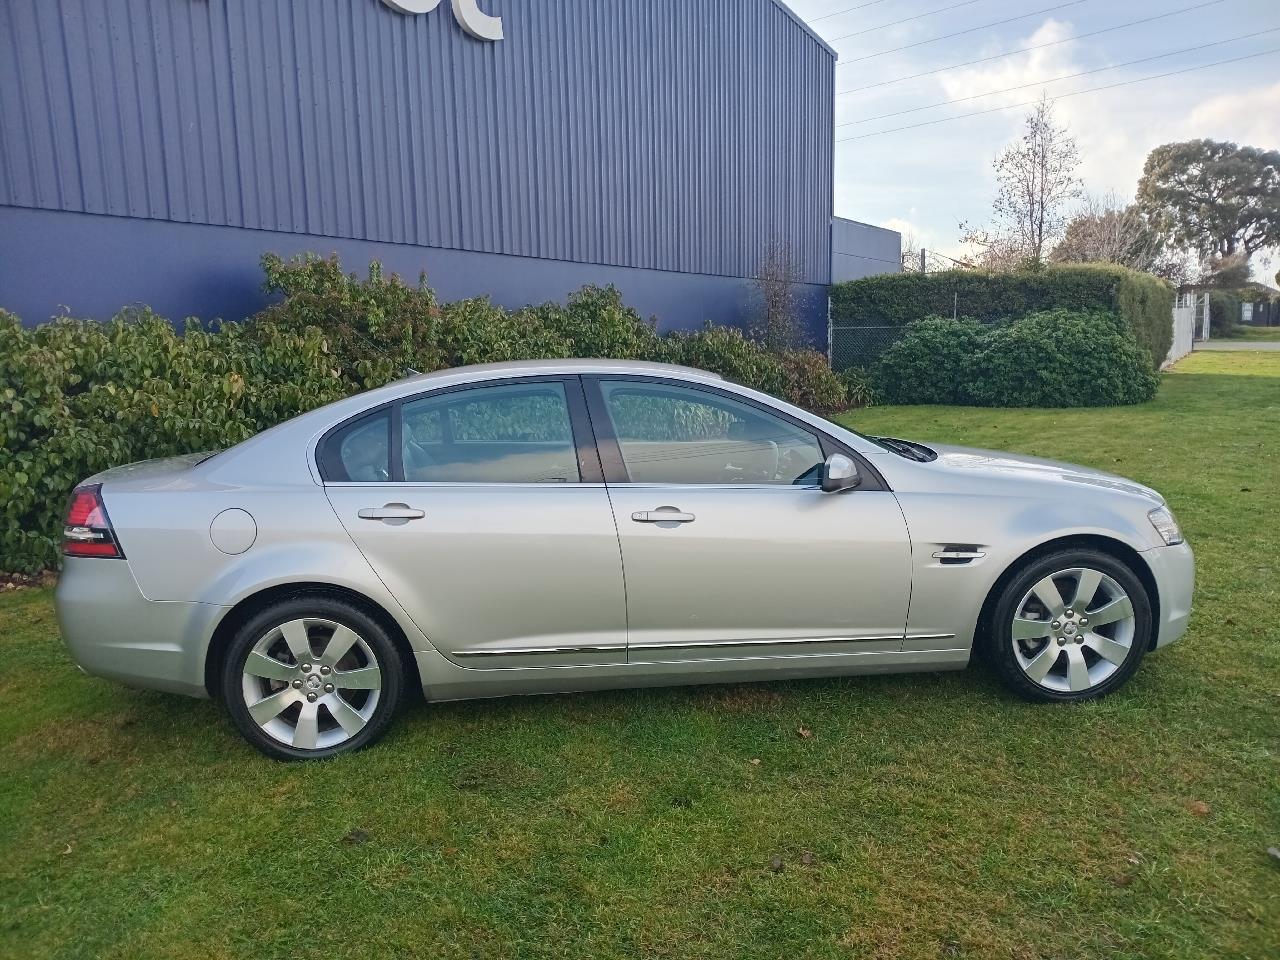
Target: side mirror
{"points": [[839, 473]]}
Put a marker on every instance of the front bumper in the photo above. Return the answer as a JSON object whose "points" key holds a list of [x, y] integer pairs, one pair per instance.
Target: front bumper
{"points": [[1174, 569], [113, 631]]}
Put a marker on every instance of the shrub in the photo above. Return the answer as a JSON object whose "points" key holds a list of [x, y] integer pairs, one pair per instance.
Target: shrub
{"points": [[726, 351], [1224, 314], [594, 323], [931, 363], [809, 382], [1055, 358], [859, 387], [82, 396], [1062, 358], [1143, 301], [79, 396]]}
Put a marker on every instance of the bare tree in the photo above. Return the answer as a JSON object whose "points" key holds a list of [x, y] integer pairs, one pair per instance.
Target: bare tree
{"points": [[910, 253], [1037, 181], [777, 325], [1111, 229]]}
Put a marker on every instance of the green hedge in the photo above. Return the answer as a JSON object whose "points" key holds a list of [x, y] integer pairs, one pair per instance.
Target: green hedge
{"points": [[81, 396], [1144, 302], [1224, 314], [1056, 358], [78, 396]]}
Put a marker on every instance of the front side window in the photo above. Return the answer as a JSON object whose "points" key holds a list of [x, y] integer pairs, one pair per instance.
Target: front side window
{"points": [[517, 433], [678, 435]]}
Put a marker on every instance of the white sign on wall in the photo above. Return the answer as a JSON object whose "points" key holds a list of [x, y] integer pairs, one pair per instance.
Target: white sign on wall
{"points": [[470, 17]]}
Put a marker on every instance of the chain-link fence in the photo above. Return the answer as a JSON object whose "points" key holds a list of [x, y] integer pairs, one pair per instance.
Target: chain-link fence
{"points": [[860, 346]]}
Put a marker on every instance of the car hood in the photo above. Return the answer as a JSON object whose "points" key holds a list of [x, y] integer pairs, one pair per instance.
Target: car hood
{"points": [[995, 463]]}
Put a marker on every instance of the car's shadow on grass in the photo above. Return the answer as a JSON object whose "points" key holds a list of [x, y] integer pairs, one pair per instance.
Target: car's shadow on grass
{"points": [[149, 724]]}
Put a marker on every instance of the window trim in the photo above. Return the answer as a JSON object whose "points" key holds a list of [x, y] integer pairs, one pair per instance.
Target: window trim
{"points": [[590, 471], [615, 469]]}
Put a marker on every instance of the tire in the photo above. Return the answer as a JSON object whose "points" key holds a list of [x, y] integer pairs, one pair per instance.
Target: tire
{"points": [[346, 698], [1090, 652]]}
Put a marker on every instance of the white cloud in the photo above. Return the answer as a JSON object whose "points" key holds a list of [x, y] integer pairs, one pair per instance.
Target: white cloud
{"points": [[1245, 116], [904, 227], [1030, 68]]}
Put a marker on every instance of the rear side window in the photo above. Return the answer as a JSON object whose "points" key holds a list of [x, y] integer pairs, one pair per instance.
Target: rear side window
{"points": [[359, 452], [518, 433]]}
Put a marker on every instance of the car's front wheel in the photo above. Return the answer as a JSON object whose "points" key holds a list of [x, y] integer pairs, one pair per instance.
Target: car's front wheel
{"points": [[312, 677], [1073, 625]]}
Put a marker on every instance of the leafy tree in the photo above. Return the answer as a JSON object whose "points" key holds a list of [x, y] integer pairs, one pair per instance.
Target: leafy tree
{"points": [[1225, 273], [1216, 198], [1037, 180]]}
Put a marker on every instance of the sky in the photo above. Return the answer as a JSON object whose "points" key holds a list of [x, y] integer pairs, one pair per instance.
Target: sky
{"points": [[925, 181]]}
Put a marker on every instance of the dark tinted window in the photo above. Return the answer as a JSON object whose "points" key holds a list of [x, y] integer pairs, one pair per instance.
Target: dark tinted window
{"points": [[359, 452]]}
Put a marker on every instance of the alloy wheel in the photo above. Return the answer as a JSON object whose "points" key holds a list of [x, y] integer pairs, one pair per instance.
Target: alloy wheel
{"points": [[311, 683], [1073, 630]]}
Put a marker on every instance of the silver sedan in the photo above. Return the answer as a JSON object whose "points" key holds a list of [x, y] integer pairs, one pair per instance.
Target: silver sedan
{"points": [[557, 526]]}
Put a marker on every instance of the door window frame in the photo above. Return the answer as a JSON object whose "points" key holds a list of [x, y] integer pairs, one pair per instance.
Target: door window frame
{"points": [[615, 468], [590, 470]]}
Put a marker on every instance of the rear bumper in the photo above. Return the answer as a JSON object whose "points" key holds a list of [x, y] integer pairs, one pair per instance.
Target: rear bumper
{"points": [[1174, 569], [113, 631]]}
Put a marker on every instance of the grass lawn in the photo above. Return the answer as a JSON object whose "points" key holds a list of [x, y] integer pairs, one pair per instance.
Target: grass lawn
{"points": [[925, 816], [1256, 333]]}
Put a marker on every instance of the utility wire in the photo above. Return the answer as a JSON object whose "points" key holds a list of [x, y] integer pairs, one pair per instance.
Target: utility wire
{"points": [[1068, 76], [1038, 46], [918, 16], [828, 16], [1028, 103], [961, 33]]}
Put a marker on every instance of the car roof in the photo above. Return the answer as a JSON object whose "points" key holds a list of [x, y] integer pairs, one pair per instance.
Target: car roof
{"points": [[570, 366]]}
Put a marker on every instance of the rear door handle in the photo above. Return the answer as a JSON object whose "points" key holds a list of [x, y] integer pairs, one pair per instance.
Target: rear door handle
{"points": [[392, 511], [662, 515]]}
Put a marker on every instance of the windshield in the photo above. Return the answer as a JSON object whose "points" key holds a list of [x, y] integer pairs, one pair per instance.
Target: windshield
{"points": [[907, 449], [848, 429]]}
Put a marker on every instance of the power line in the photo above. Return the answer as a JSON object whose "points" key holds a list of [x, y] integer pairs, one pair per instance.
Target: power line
{"points": [[1028, 103], [1038, 46], [1068, 76], [918, 16], [961, 33], [828, 16]]}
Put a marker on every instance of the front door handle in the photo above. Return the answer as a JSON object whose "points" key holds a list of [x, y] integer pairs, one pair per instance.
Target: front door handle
{"points": [[391, 511], [662, 515]]}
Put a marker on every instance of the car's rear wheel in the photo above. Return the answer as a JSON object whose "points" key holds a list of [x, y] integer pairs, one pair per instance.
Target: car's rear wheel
{"points": [[312, 677], [1070, 626]]}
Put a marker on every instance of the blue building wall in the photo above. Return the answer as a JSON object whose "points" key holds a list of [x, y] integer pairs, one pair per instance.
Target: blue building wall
{"points": [[659, 144]]}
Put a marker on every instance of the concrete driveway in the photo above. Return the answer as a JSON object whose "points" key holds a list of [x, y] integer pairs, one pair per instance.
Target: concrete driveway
{"points": [[1229, 345]]}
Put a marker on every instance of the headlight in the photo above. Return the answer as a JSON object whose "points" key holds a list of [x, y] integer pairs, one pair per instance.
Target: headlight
{"points": [[1162, 519]]}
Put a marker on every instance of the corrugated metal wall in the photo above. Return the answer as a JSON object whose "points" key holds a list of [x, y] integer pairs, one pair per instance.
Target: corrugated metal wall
{"points": [[663, 134]]}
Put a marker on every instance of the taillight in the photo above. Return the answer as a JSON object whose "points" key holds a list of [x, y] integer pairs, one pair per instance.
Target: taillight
{"points": [[88, 530]]}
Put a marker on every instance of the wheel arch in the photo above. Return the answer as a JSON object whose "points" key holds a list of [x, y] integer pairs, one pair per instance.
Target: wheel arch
{"points": [[1117, 549], [251, 605]]}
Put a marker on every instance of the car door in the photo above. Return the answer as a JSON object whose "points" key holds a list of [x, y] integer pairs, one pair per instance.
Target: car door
{"points": [[730, 548], [483, 510]]}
